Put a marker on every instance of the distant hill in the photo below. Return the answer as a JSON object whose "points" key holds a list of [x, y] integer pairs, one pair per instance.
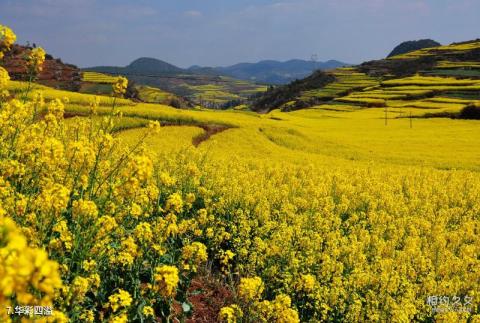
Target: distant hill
{"points": [[217, 87], [272, 72], [265, 72], [146, 65], [409, 79], [140, 66], [413, 45], [200, 85], [281, 95]]}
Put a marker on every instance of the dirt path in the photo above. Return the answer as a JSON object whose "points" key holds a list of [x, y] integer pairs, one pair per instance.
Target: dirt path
{"points": [[207, 297], [210, 130]]}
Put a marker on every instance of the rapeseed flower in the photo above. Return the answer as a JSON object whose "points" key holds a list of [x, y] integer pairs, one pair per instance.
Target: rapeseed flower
{"points": [[148, 311], [7, 39], [122, 299], [230, 314], [4, 78], [174, 203], [35, 60], [166, 280], [250, 289], [193, 255], [84, 210], [120, 86]]}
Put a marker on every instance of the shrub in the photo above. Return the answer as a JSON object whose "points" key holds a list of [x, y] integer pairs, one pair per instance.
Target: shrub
{"points": [[471, 111]]}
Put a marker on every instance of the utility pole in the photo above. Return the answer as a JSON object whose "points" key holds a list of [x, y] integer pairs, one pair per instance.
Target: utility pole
{"points": [[386, 117]]}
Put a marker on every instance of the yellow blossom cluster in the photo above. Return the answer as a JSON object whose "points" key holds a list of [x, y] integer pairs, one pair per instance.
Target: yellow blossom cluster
{"points": [[230, 314], [121, 299], [166, 280], [120, 86], [84, 210], [250, 289], [193, 255], [279, 310], [86, 221], [4, 78], [126, 254], [174, 203], [7, 39], [250, 292], [387, 237], [226, 258], [148, 311], [96, 208], [27, 276], [35, 60]]}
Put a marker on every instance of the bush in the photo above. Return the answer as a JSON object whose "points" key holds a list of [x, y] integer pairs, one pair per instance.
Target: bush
{"points": [[471, 111], [410, 46]]}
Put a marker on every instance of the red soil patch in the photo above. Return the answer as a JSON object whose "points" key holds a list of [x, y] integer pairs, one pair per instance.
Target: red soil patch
{"points": [[210, 130], [207, 303], [55, 73]]}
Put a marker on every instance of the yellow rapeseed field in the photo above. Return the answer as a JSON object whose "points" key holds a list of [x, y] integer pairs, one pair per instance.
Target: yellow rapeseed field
{"points": [[316, 215]]}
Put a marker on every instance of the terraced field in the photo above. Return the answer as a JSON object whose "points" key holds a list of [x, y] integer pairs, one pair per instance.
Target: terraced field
{"points": [[347, 80], [452, 50], [417, 92], [354, 125], [222, 91], [95, 77], [209, 91], [346, 211]]}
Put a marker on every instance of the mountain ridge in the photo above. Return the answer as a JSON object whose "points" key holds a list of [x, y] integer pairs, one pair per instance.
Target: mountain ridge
{"points": [[277, 72], [264, 71], [444, 65]]}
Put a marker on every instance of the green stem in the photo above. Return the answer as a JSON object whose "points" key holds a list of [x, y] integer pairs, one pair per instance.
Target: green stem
{"points": [[30, 79], [112, 112]]}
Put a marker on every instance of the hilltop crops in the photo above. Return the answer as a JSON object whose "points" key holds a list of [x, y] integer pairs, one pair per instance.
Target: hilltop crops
{"points": [[323, 214], [441, 94], [453, 48], [95, 77], [347, 80], [223, 91]]}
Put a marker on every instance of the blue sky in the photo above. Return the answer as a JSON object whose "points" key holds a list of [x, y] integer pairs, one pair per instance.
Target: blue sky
{"points": [[223, 32]]}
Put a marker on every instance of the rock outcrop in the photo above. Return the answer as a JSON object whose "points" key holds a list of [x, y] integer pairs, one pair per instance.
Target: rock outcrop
{"points": [[55, 73]]}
